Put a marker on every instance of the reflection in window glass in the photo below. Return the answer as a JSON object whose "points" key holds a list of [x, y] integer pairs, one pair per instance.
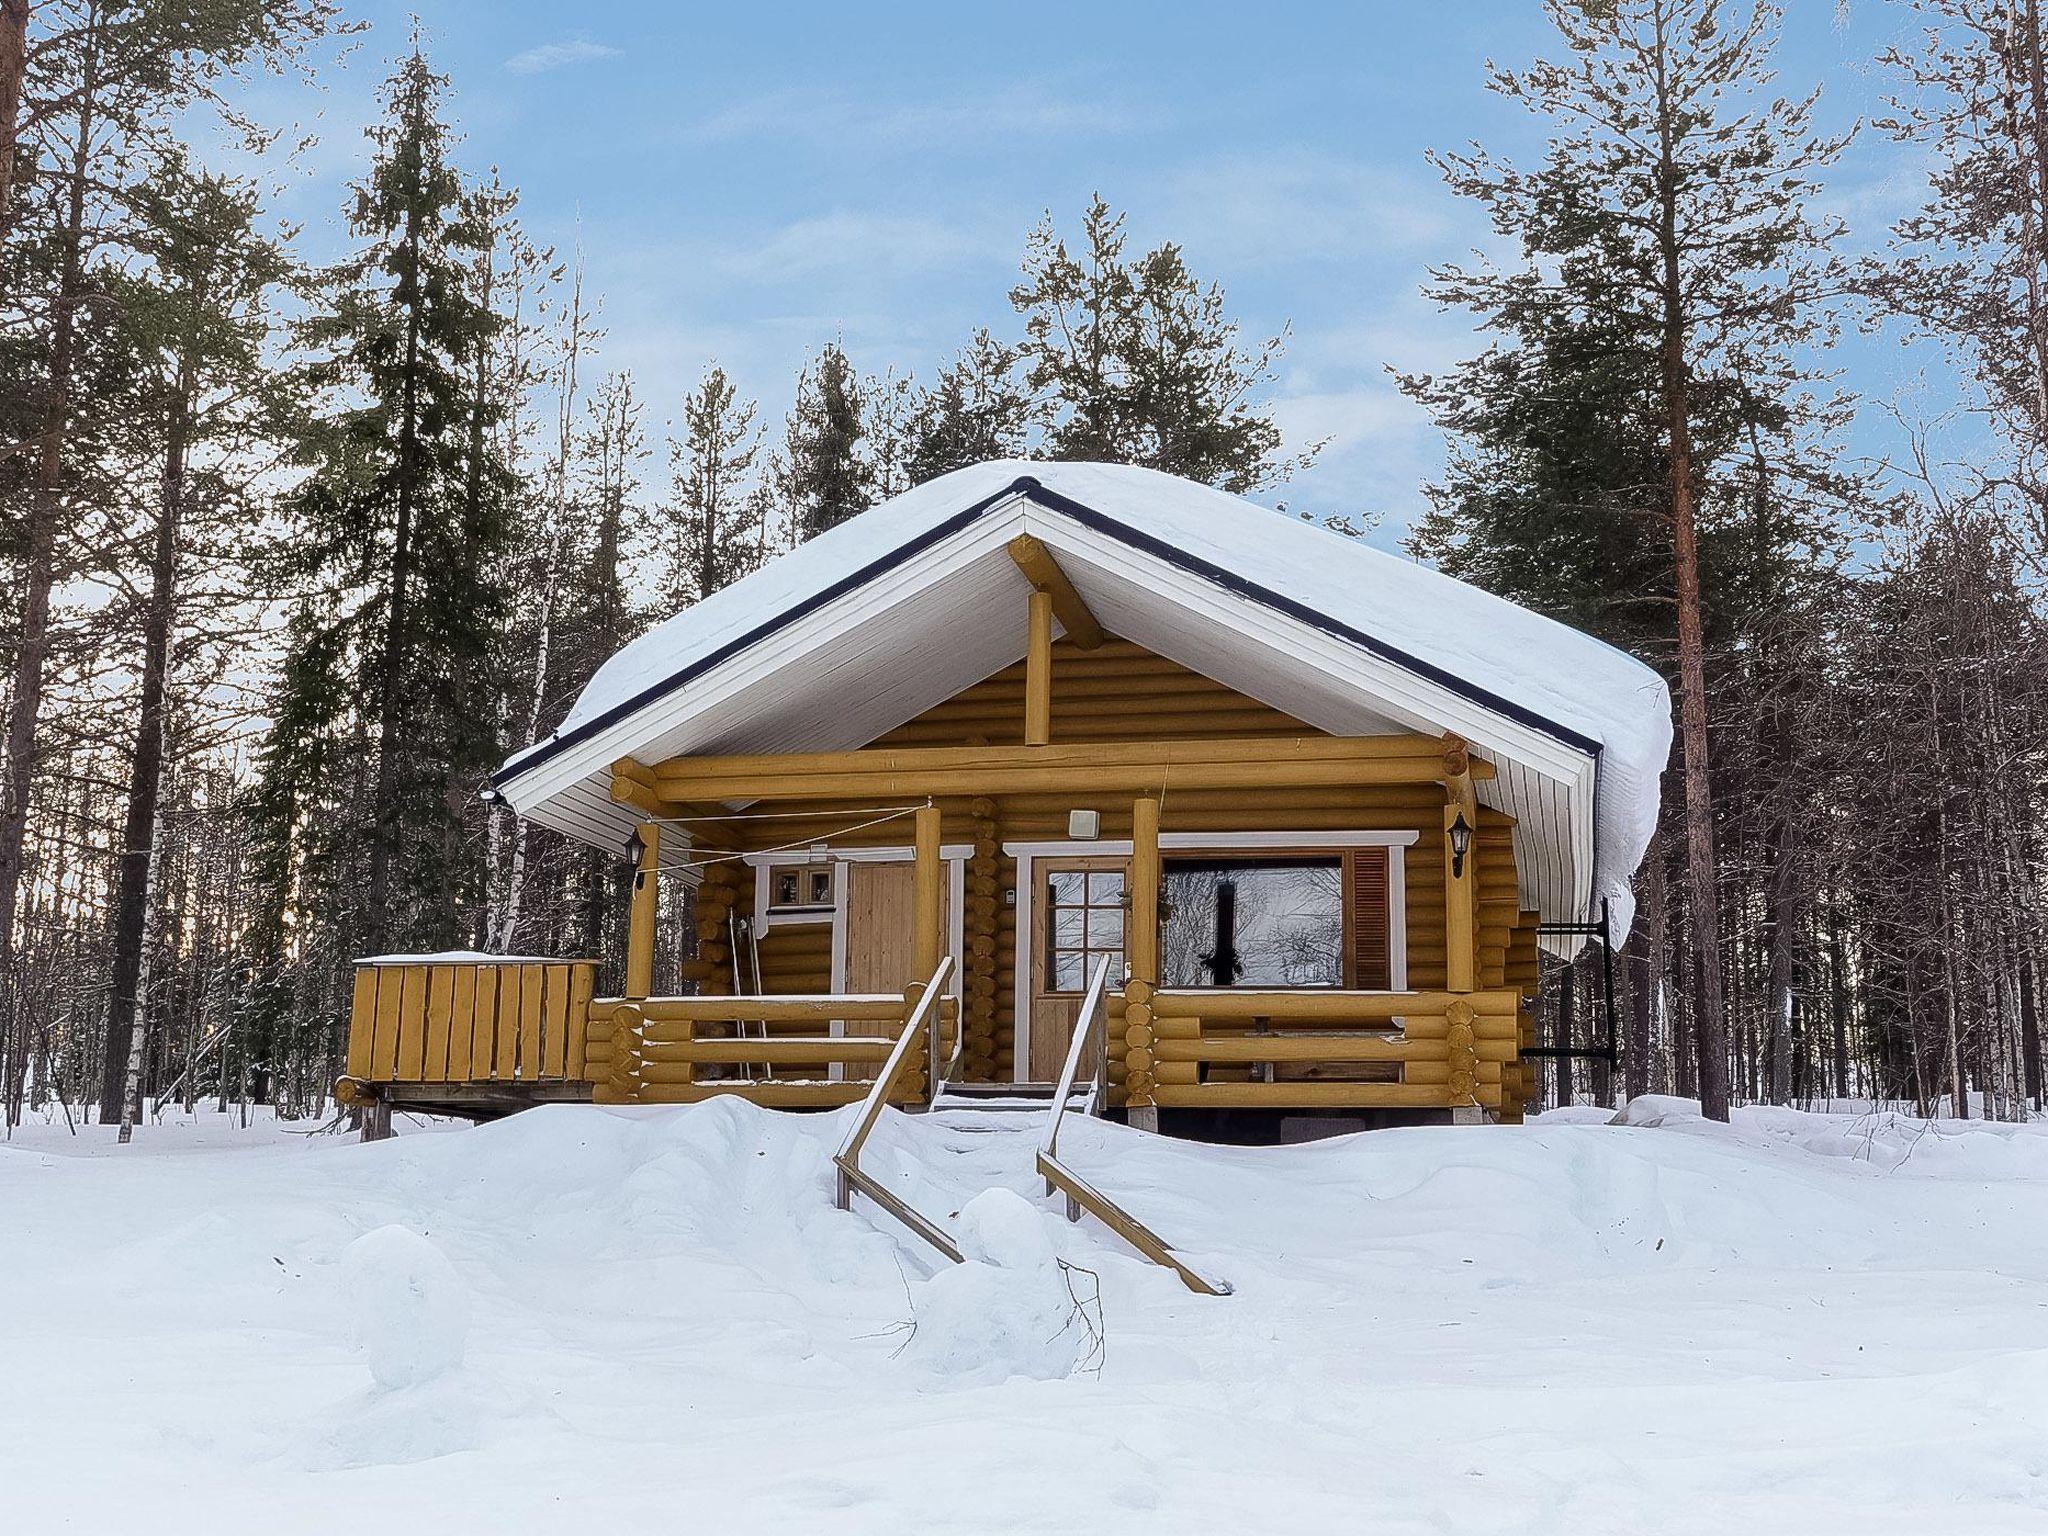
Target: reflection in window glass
{"points": [[1253, 923], [1084, 925]]}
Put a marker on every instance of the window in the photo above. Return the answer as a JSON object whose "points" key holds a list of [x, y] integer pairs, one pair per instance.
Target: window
{"points": [[1254, 922], [800, 888], [1084, 925]]}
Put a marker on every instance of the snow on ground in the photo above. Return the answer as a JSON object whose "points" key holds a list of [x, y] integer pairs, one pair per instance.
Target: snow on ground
{"points": [[594, 1320]]}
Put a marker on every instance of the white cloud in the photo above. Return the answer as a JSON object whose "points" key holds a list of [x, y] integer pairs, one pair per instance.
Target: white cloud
{"points": [[1016, 112], [549, 56], [1292, 206]]}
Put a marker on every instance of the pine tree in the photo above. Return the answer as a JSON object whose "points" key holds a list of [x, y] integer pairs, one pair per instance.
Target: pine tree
{"points": [[397, 512], [1137, 361], [1971, 267], [1675, 204], [820, 476], [980, 409], [715, 534]]}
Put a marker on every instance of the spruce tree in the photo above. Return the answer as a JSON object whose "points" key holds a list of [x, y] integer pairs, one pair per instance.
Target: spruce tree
{"points": [[980, 409], [820, 476], [401, 513]]}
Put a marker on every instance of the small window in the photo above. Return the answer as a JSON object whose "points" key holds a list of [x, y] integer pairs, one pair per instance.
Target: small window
{"points": [[1084, 912], [1274, 922], [800, 888]]}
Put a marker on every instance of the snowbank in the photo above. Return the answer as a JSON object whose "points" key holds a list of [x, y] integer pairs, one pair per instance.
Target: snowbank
{"points": [[1791, 1324]]}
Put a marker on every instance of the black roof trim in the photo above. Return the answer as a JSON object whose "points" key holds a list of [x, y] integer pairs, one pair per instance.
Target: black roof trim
{"points": [[1087, 516]]}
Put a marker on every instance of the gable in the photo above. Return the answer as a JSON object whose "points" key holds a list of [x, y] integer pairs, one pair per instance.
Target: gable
{"points": [[1117, 691], [852, 637]]}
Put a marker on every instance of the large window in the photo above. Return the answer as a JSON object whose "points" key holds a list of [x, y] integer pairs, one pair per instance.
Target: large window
{"points": [[1253, 922], [1084, 924]]}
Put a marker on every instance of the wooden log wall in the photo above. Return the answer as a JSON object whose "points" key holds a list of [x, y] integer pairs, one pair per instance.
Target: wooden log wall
{"points": [[1119, 691]]}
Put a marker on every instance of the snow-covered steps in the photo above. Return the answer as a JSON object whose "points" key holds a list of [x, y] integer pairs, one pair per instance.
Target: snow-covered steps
{"points": [[1001, 1099]]}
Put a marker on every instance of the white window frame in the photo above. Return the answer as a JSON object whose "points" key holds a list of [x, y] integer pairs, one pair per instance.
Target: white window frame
{"points": [[1025, 960], [953, 855]]}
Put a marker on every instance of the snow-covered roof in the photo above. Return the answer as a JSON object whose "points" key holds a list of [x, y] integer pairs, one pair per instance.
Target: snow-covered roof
{"points": [[870, 623]]}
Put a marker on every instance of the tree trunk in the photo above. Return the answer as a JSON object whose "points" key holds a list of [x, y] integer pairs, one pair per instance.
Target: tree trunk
{"points": [[1710, 1028], [2030, 1033], [1838, 1002], [13, 69], [397, 620], [135, 878], [39, 557]]}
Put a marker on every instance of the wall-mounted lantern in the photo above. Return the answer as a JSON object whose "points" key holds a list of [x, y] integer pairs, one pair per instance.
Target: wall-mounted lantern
{"points": [[1460, 834]]}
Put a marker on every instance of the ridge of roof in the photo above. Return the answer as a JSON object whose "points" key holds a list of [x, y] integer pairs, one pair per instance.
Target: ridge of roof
{"points": [[1035, 490]]}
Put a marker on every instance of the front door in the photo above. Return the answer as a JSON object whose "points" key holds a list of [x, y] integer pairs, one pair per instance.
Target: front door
{"points": [[881, 919], [1078, 915]]}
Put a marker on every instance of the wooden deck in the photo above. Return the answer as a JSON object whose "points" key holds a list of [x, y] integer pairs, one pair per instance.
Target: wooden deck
{"points": [[483, 1038], [486, 1038]]}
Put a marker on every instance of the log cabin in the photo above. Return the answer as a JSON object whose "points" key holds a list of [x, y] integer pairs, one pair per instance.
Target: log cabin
{"points": [[1309, 810]]}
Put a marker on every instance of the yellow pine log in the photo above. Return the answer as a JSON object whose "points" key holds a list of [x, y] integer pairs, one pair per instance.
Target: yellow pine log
{"points": [[1334, 1006], [1313, 1096], [781, 1052]]}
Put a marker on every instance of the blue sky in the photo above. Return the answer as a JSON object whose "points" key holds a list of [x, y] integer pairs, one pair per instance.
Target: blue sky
{"points": [[750, 181]]}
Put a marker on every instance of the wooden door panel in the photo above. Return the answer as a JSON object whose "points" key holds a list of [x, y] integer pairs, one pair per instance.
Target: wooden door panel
{"points": [[881, 924]]}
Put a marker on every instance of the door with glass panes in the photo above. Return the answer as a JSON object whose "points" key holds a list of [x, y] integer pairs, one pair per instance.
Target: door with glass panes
{"points": [[1078, 918]]}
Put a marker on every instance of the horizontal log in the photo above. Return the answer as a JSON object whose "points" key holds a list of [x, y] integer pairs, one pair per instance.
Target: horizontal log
{"points": [[1329, 1005], [816, 1007], [1437, 1073], [1131, 765], [1296, 1047], [1313, 1096], [773, 1094], [817, 1051]]}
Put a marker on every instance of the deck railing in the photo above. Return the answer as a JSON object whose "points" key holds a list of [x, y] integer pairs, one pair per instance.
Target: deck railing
{"points": [[774, 1049], [430, 1019], [1089, 1031], [897, 1074], [1308, 1048]]}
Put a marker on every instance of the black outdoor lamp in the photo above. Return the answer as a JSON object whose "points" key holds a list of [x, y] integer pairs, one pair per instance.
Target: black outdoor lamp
{"points": [[1460, 834]]}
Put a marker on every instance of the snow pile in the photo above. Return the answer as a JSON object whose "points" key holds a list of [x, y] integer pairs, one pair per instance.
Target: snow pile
{"points": [[1009, 1311], [409, 1307], [1790, 1324]]}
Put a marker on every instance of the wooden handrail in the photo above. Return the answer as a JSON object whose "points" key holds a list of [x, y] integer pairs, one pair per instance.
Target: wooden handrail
{"points": [[847, 1160], [1081, 1195]]}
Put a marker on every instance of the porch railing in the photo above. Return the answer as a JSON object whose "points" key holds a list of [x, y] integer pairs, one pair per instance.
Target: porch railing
{"points": [[1089, 1032], [1306, 1049], [776, 1049], [895, 1078]]}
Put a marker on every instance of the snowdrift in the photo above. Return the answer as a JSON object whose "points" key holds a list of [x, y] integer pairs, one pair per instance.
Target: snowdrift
{"points": [[647, 1319]]}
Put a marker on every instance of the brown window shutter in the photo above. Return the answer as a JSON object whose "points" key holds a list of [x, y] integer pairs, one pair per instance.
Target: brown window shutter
{"points": [[1372, 966]]}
